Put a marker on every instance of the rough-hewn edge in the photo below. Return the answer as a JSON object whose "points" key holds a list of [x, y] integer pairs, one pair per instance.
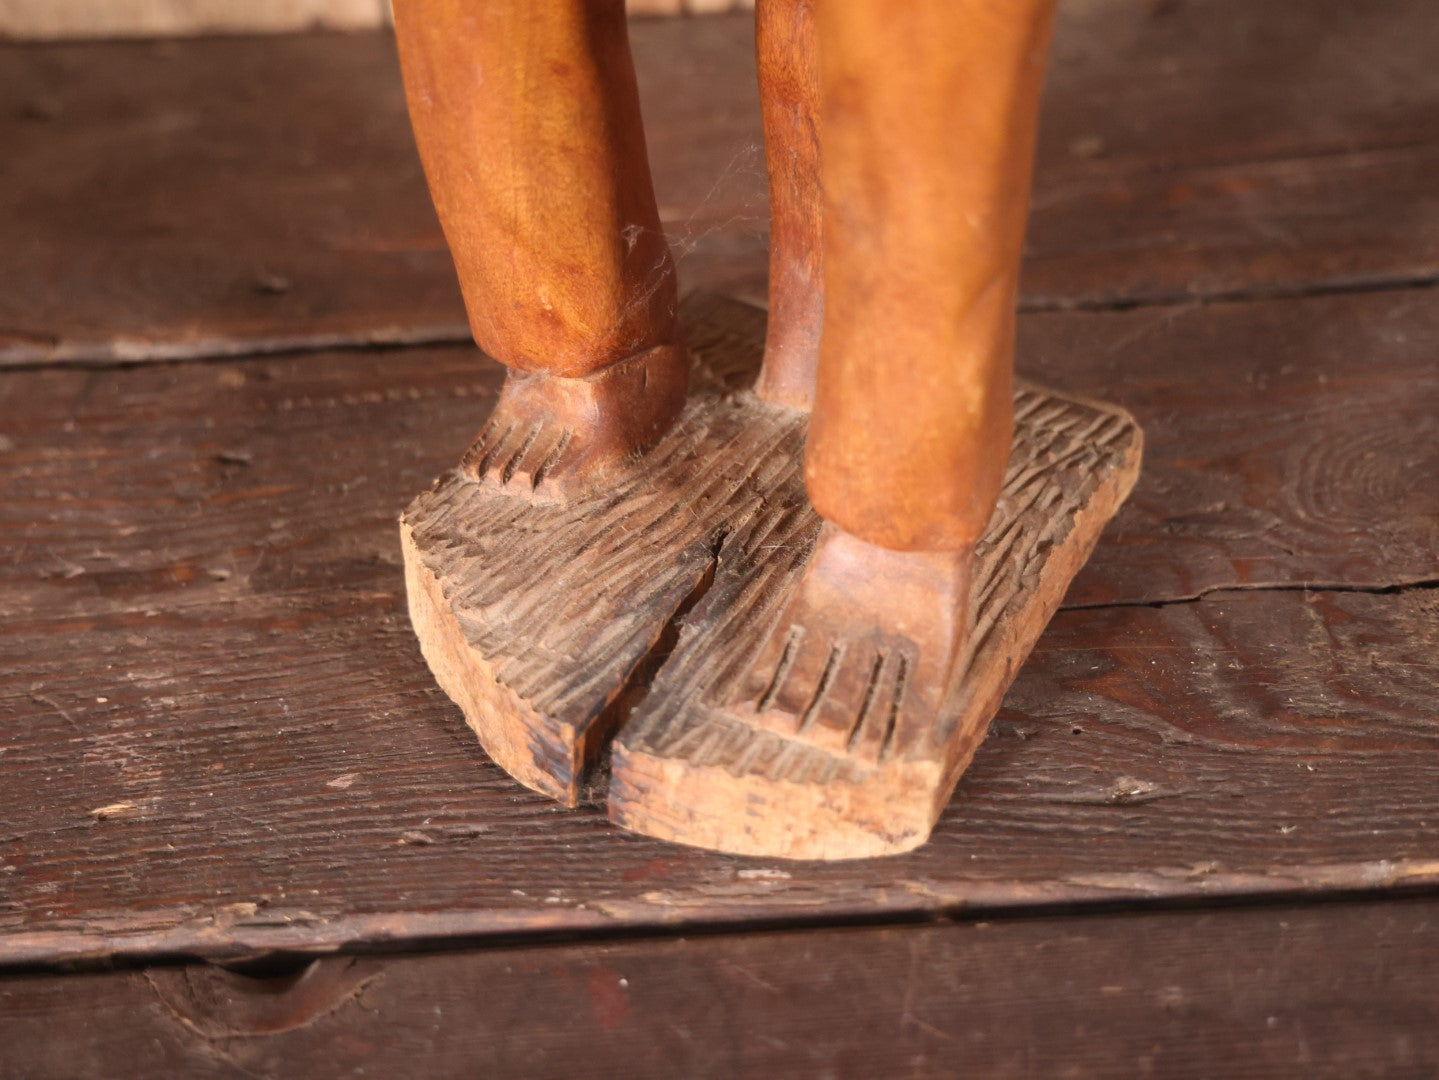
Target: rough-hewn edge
{"points": [[889, 808], [1060, 569], [502, 720], [819, 820]]}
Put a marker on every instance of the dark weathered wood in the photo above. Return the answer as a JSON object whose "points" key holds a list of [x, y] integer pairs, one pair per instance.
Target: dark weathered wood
{"points": [[1286, 443], [1328, 991], [1203, 148], [213, 196], [222, 196], [217, 733], [225, 196]]}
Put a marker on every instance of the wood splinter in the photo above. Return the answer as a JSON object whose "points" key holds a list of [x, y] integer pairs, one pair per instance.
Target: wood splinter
{"points": [[791, 598]]}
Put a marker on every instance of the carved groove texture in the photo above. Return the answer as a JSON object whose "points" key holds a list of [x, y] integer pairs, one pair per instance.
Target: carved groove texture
{"points": [[559, 604], [1063, 450], [565, 600]]}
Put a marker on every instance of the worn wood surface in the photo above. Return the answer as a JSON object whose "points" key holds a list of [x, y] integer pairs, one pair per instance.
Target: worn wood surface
{"points": [[846, 782], [1286, 443], [1208, 148], [173, 199], [252, 753], [537, 618], [259, 193], [1335, 991]]}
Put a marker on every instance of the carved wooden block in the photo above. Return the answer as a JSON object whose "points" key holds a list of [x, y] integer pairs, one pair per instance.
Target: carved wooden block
{"points": [[627, 618], [536, 616]]}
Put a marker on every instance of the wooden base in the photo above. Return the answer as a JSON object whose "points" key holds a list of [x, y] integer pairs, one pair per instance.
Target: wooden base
{"points": [[628, 617], [537, 618], [690, 770]]}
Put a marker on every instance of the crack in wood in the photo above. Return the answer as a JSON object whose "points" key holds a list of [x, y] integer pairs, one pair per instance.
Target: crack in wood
{"points": [[1279, 290], [1395, 589], [640, 680]]}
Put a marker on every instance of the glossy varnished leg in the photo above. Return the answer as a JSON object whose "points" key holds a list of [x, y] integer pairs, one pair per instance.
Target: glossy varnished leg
{"points": [[928, 122], [527, 120], [789, 94]]}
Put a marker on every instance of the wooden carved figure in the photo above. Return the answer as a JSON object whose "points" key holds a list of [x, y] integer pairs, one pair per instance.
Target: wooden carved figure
{"points": [[776, 663]]}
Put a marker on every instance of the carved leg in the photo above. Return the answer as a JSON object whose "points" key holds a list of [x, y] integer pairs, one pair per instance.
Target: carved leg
{"points": [[828, 691], [789, 94], [527, 120], [929, 116], [528, 124]]}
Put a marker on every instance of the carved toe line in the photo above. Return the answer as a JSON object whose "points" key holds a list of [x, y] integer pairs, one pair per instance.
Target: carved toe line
{"points": [[512, 466], [487, 457], [821, 690], [867, 702], [892, 720], [554, 456], [786, 661]]}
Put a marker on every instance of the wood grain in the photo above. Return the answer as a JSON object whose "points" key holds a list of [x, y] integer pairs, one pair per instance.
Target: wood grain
{"points": [[787, 57], [1211, 149], [218, 737], [276, 768], [224, 196], [1325, 991], [929, 117], [546, 151], [170, 199], [691, 768], [536, 616], [1294, 452]]}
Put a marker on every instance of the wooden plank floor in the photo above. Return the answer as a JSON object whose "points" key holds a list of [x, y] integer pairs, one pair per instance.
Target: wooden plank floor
{"points": [[230, 195], [218, 739], [1327, 992]]}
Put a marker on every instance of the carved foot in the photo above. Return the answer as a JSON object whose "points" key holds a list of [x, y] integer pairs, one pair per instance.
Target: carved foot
{"points": [[561, 439], [864, 649], [833, 721], [543, 622], [536, 615]]}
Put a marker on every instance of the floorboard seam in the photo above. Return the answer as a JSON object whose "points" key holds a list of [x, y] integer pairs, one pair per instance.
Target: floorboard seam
{"points": [[441, 337], [1417, 585], [956, 912], [1298, 290]]}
